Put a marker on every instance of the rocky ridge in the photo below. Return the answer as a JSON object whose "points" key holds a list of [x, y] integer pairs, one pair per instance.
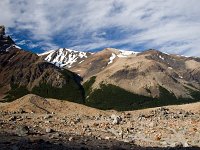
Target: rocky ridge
{"points": [[5, 41], [23, 72]]}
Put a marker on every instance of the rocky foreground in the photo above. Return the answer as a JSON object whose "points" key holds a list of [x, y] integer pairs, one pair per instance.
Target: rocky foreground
{"points": [[32, 122]]}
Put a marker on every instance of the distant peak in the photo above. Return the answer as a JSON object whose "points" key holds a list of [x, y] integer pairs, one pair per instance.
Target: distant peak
{"points": [[153, 51], [64, 57], [113, 50]]}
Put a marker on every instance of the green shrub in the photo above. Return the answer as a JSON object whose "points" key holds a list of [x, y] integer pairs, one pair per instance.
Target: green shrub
{"points": [[113, 97], [71, 91], [15, 93], [88, 85]]}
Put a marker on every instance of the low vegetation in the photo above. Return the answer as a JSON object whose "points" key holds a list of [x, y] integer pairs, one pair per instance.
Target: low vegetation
{"points": [[88, 85], [71, 91], [106, 97], [113, 97], [15, 93]]}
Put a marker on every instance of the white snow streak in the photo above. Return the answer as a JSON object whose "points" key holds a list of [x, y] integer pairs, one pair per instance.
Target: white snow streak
{"points": [[113, 56], [124, 53]]}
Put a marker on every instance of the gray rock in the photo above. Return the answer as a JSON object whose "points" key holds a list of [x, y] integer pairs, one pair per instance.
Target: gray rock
{"points": [[55, 136], [151, 124], [22, 130], [70, 138], [116, 119], [63, 120], [48, 130], [107, 138], [21, 111], [13, 118], [47, 121], [176, 144], [47, 116], [77, 120]]}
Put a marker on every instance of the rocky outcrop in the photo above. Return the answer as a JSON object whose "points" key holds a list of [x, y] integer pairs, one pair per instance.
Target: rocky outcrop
{"points": [[2, 30], [5, 41]]}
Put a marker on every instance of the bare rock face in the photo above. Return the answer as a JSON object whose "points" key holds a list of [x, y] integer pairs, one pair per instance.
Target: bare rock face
{"points": [[2, 30], [5, 41], [22, 130]]}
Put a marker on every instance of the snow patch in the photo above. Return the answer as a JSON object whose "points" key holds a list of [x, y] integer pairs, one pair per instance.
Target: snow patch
{"points": [[7, 49], [181, 77], [113, 56], [17, 47], [81, 61], [165, 53], [124, 53], [12, 46], [161, 57]]}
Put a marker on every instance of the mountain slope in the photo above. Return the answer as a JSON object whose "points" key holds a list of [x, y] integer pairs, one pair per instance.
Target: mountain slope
{"points": [[99, 61], [146, 71], [124, 79], [23, 72], [152, 77]]}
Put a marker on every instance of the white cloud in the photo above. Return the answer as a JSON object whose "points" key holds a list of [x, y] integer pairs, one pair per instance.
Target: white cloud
{"points": [[172, 25]]}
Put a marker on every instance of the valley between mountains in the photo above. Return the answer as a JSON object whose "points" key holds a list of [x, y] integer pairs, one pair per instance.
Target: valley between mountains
{"points": [[67, 99]]}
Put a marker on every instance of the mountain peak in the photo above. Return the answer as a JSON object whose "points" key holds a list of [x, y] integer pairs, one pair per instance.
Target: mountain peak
{"points": [[64, 57], [151, 51], [119, 52], [2, 30], [114, 50], [5, 41]]}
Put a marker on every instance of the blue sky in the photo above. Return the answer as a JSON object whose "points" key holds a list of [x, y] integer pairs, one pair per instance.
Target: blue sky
{"points": [[171, 26]]}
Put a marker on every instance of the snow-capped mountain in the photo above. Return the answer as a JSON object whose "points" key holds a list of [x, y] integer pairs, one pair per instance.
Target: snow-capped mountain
{"points": [[68, 58], [65, 57]]}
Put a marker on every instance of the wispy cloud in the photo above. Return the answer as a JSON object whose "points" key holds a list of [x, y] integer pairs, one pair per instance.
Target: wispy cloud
{"points": [[172, 26]]}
